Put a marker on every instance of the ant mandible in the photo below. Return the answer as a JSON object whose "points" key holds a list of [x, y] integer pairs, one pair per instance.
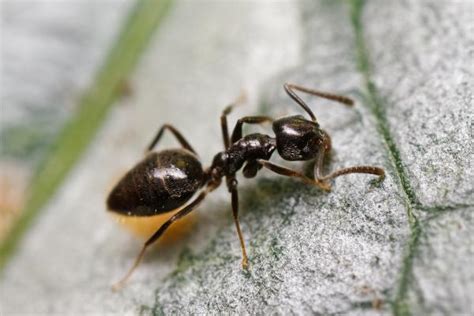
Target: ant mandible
{"points": [[164, 181]]}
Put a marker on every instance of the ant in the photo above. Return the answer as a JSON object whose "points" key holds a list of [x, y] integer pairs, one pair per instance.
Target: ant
{"points": [[165, 180]]}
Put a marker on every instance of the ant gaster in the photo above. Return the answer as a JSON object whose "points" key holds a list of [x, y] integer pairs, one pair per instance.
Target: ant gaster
{"points": [[164, 181]]}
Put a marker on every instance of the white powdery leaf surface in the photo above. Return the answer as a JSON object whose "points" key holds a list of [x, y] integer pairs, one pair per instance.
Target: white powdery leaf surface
{"points": [[422, 54], [443, 277]]}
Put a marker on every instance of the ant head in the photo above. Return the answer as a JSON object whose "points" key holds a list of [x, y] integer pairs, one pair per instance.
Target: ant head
{"points": [[298, 138]]}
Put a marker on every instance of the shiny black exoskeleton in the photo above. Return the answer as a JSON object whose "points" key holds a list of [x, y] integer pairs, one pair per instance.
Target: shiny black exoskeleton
{"points": [[160, 183], [166, 180]]}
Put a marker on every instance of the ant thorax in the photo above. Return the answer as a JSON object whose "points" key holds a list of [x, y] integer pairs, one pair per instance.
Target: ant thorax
{"points": [[247, 149]]}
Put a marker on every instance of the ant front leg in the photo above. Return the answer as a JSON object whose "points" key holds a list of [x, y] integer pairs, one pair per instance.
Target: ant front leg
{"points": [[237, 133], [292, 173], [232, 186], [318, 166], [176, 133]]}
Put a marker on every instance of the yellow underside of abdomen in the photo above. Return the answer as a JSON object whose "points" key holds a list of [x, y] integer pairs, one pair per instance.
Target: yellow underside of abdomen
{"points": [[145, 226]]}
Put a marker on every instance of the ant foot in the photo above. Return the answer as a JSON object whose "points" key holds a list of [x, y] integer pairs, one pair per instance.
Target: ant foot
{"points": [[323, 185], [245, 263]]}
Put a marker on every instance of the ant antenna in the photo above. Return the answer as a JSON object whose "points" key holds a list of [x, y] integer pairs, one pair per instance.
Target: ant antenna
{"points": [[289, 88]]}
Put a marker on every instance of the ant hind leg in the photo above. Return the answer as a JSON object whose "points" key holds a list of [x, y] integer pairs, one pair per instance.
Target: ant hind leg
{"points": [[185, 211]]}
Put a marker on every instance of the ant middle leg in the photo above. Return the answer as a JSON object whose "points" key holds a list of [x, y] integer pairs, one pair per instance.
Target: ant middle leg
{"points": [[176, 133], [294, 174], [318, 166], [227, 110], [185, 211], [232, 185]]}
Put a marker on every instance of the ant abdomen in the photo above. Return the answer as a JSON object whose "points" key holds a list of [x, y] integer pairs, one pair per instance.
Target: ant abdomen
{"points": [[161, 182]]}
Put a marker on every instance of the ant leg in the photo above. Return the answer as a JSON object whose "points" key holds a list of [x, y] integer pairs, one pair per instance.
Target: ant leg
{"points": [[294, 174], [185, 211], [237, 133], [356, 169], [232, 185], [289, 88], [176, 133], [318, 166], [225, 130]]}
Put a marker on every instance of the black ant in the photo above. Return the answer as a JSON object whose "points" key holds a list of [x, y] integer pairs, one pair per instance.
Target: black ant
{"points": [[164, 181]]}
